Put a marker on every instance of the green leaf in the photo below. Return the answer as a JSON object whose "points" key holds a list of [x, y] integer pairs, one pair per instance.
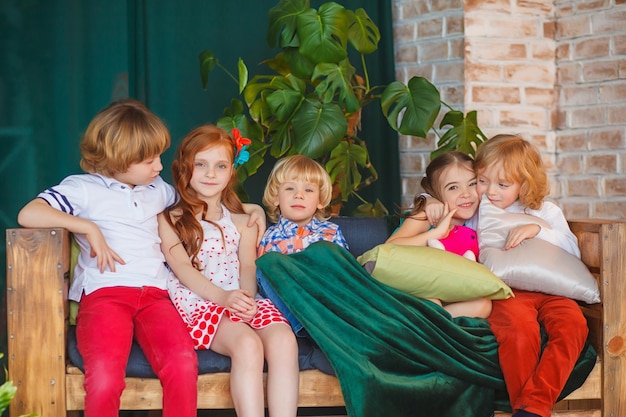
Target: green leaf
{"points": [[337, 84], [343, 166], [7, 392], [298, 64], [363, 34], [208, 61], [282, 23], [273, 96], [279, 63], [257, 148], [324, 34], [283, 103], [243, 75], [281, 138], [377, 209], [318, 128], [463, 132], [417, 104]]}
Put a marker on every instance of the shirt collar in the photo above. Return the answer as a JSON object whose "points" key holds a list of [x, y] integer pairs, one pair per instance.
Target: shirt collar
{"points": [[110, 183], [290, 228]]}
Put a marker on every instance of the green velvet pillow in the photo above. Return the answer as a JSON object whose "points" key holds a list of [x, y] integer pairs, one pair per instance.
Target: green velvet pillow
{"points": [[432, 273]]}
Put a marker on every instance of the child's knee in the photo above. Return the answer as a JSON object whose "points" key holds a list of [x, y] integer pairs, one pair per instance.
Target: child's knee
{"points": [[483, 307]]}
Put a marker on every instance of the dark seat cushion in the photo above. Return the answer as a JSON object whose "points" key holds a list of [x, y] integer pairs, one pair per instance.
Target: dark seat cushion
{"points": [[362, 233], [310, 357]]}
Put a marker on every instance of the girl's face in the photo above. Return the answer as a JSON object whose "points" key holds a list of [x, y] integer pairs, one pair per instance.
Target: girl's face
{"points": [[458, 188], [212, 171], [492, 182], [141, 173], [298, 200]]}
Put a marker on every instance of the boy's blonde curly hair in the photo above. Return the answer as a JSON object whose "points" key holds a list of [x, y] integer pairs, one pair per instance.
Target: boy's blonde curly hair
{"points": [[122, 134], [297, 167]]}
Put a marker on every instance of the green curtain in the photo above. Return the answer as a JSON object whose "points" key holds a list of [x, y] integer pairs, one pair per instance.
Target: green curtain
{"points": [[61, 61]]}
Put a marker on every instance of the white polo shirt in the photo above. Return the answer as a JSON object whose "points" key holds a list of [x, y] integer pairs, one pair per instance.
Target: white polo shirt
{"points": [[128, 220]]}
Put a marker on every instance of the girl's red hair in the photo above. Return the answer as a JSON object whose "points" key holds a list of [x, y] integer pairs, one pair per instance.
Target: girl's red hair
{"points": [[521, 163], [184, 214]]}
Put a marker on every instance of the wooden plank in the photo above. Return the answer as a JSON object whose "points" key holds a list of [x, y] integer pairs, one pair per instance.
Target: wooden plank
{"points": [[316, 390], [572, 413], [614, 293], [37, 265], [591, 388]]}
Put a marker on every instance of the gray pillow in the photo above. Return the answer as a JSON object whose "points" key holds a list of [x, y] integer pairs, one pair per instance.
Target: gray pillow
{"points": [[534, 265]]}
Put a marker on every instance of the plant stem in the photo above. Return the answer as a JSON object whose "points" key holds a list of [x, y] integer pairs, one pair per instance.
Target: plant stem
{"points": [[228, 73], [367, 77], [447, 105]]}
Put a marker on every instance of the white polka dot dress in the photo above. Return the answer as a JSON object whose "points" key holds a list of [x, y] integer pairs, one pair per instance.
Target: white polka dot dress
{"points": [[220, 265]]}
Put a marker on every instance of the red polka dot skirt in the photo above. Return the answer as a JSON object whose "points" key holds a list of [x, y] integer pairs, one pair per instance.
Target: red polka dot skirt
{"points": [[220, 264]]}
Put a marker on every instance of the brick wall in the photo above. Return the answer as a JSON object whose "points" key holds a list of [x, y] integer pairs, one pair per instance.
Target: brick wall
{"points": [[429, 42], [554, 72]]}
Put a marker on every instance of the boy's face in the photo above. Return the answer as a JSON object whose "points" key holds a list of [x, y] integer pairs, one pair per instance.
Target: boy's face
{"points": [[492, 182], [141, 173], [298, 201]]}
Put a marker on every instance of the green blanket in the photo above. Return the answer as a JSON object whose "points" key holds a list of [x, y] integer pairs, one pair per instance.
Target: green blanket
{"points": [[394, 355]]}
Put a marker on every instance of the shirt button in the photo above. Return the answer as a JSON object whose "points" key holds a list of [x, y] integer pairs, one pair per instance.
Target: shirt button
{"points": [[135, 203]]}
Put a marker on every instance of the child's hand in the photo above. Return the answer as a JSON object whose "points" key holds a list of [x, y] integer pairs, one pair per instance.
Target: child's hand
{"points": [[101, 250], [249, 314], [239, 303], [443, 228], [435, 210], [257, 216], [521, 233]]}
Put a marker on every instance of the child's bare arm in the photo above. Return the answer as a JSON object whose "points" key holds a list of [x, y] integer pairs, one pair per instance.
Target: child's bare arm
{"points": [[257, 217], [247, 267], [247, 253], [181, 265], [417, 232], [520, 233], [38, 213]]}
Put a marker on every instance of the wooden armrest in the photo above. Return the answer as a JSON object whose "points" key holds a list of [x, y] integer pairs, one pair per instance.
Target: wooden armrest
{"points": [[603, 244], [37, 285]]}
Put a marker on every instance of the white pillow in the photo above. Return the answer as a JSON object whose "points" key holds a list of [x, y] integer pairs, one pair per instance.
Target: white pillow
{"points": [[535, 264]]}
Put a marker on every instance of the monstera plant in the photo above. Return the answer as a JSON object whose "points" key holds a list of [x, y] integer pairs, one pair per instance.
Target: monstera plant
{"points": [[311, 99]]}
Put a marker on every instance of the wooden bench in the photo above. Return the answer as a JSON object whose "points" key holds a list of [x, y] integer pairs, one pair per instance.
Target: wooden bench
{"points": [[37, 323]]}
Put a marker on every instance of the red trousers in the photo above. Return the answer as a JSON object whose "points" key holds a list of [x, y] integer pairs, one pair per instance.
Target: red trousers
{"points": [[534, 379], [107, 321]]}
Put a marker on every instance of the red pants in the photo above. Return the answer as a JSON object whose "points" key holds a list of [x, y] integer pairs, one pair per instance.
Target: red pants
{"points": [[534, 379], [107, 321]]}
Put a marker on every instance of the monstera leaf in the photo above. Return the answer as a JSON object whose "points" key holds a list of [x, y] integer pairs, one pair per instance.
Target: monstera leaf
{"points": [[335, 84], [273, 96], [318, 128], [463, 132], [363, 34], [343, 166], [282, 23], [323, 34], [415, 106]]}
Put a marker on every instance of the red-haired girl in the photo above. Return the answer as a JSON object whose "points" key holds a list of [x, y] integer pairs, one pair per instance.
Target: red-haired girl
{"points": [[211, 250]]}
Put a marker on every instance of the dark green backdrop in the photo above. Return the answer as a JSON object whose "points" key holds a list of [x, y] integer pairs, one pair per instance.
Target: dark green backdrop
{"points": [[62, 61]]}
